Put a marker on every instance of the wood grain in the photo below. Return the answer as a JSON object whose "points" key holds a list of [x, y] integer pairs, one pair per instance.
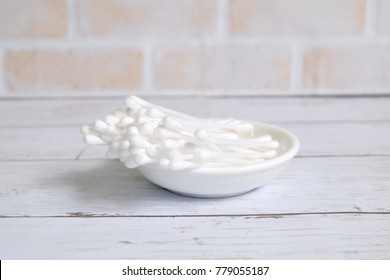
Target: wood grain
{"points": [[107, 188], [332, 201], [317, 139], [285, 237], [79, 111]]}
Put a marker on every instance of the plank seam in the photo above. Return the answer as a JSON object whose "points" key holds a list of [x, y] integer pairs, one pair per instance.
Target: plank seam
{"points": [[266, 215], [208, 96]]}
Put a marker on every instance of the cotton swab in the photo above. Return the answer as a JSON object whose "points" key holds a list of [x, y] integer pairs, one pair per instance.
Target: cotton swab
{"points": [[145, 133]]}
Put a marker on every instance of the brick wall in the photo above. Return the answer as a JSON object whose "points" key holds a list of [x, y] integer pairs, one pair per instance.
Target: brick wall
{"points": [[111, 47]]}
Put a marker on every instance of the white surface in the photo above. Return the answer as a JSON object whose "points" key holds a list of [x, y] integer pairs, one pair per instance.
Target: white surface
{"points": [[352, 236], [330, 202]]}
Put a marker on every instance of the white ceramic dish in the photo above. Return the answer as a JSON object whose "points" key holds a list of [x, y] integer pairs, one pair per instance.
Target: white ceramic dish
{"points": [[227, 181]]}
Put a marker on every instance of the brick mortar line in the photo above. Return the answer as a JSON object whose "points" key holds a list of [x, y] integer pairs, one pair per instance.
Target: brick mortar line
{"points": [[3, 88], [355, 41], [306, 92], [222, 20], [72, 19], [147, 67], [297, 52], [370, 18]]}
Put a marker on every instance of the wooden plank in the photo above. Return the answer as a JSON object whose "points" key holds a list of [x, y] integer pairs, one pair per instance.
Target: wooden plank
{"points": [[35, 143], [107, 188], [81, 111], [287, 237]]}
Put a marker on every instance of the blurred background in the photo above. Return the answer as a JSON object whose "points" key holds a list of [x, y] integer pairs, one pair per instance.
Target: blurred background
{"points": [[195, 47]]}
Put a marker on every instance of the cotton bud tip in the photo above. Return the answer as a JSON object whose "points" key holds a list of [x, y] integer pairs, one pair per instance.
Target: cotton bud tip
{"points": [[142, 159], [100, 125], [172, 154], [93, 140], [120, 114], [204, 155], [111, 120], [126, 121], [154, 113], [138, 141], [141, 112], [107, 137], [161, 132], [172, 123], [154, 151], [164, 163], [246, 129], [132, 130], [146, 128], [170, 144], [85, 129], [264, 138], [134, 151], [273, 144], [112, 131], [270, 154], [141, 120], [131, 104], [130, 163], [125, 144], [201, 135]]}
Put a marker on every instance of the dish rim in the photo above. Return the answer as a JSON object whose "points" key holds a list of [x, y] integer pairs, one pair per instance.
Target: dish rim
{"points": [[259, 166]]}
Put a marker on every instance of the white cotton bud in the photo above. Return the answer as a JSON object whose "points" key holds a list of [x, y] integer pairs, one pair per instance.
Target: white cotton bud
{"points": [[126, 121], [204, 155], [100, 125], [133, 151], [107, 137], [120, 114], [111, 120], [164, 163], [155, 151], [170, 144], [85, 129], [138, 141], [125, 144], [146, 128], [172, 123], [201, 134], [93, 140], [162, 132], [154, 113], [142, 159], [111, 130], [270, 154], [141, 120], [132, 130], [246, 129], [130, 163], [131, 104]]}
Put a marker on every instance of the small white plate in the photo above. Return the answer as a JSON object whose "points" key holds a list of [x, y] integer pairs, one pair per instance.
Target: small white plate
{"points": [[214, 182]]}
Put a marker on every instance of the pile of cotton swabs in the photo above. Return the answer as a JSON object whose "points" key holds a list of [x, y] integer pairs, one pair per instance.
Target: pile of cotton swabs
{"points": [[145, 133]]}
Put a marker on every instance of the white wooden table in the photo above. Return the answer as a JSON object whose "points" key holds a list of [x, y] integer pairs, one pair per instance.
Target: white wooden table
{"points": [[59, 200]]}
